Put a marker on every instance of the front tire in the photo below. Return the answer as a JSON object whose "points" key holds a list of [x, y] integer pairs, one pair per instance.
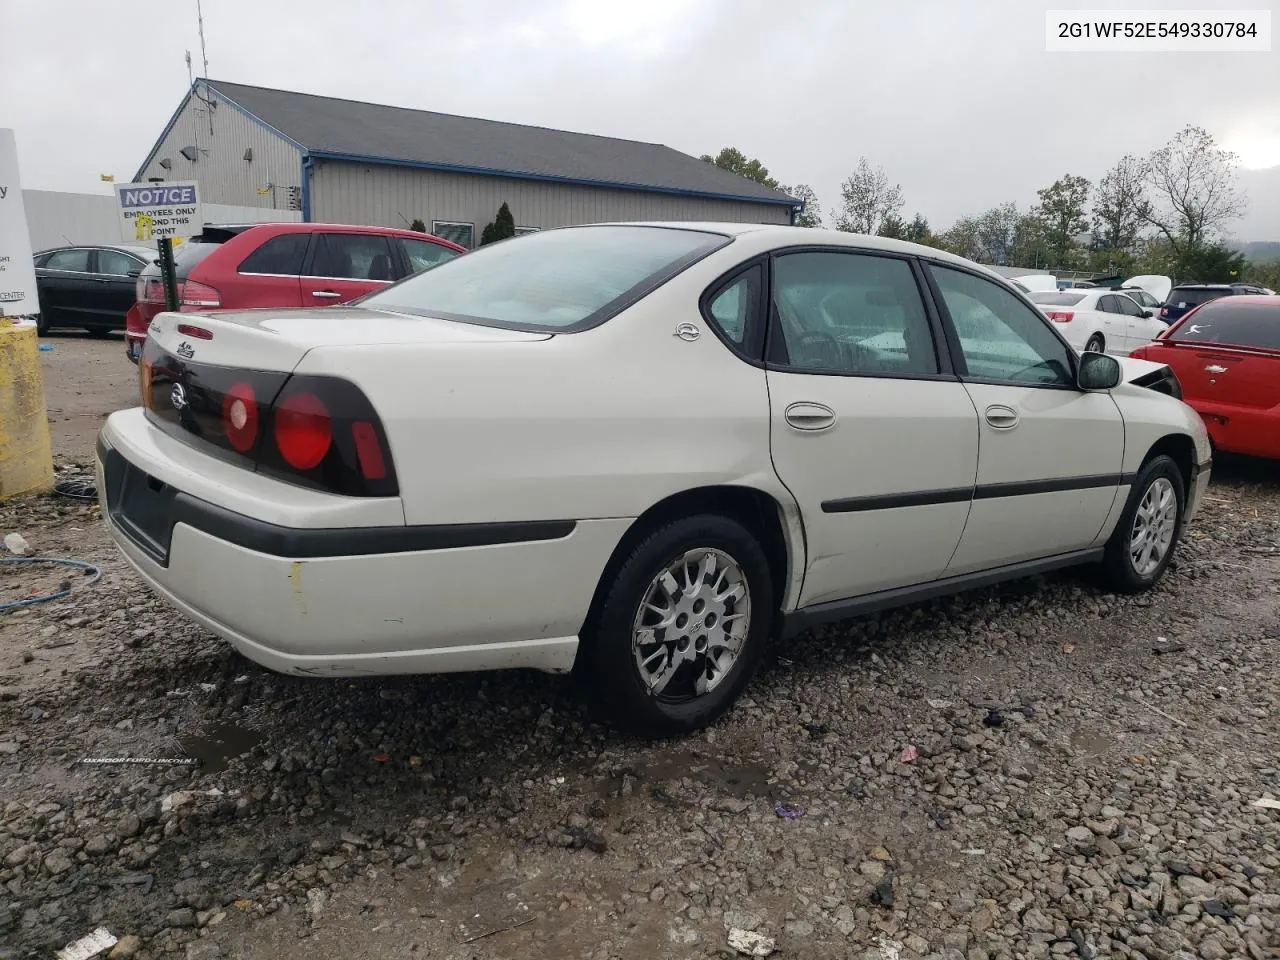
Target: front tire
{"points": [[1096, 344], [681, 627], [42, 325], [1144, 539]]}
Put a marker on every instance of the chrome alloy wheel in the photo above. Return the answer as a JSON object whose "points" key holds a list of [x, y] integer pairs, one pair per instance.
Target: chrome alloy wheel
{"points": [[691, 625], [1153, 527]]}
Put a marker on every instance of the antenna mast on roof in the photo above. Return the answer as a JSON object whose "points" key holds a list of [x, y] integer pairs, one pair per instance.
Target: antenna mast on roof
{"points": [[204, 57]]}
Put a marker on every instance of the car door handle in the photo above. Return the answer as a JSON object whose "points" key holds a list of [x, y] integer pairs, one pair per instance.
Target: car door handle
{"points": [[810, 416], [326, 294], [1001, 417]]}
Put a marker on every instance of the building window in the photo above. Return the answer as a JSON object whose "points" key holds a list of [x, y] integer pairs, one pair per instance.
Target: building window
{"points": [[521, 231], [463, 234]]}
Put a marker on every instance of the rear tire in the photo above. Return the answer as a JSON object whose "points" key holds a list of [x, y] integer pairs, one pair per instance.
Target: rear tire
{"points": [[1096, 344], [42, 325], [1146, 534], [681, 627]]}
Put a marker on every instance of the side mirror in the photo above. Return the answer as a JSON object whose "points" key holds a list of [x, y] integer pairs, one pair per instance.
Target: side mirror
{"points": [[1148, 314], [1098, 372]]}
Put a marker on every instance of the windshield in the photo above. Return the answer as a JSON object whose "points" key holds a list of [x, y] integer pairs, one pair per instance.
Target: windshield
{"points": [[553, 280], [1235, 324], [1057, 299]]}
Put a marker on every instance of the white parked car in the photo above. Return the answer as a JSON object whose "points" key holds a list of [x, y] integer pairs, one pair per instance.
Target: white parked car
{"points": [[1099, 320], [635, 451], [1144, 300]]}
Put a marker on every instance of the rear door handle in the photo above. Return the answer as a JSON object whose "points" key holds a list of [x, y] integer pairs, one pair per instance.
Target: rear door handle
{"points": [[1001, 417], [326, 294], [810, 416]]}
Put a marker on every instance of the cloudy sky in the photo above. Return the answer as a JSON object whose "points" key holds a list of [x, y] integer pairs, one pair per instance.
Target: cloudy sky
{"points": [[956, 99]]}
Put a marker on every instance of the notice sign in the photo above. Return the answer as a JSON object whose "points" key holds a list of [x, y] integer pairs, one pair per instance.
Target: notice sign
{"points": [[17, 272], [158, 211]]}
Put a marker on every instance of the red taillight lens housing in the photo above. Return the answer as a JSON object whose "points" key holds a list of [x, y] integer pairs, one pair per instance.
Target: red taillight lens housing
{"points": [[1060, 316], [240, 417], [1139, 354], [200, 296], [303, 430], [373, 465]]}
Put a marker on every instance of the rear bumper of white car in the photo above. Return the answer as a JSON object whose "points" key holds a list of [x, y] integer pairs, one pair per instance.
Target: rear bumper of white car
{"points": [[352, 600]]}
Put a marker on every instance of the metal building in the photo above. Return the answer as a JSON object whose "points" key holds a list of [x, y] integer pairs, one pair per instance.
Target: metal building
{"points": [[341, 161]]}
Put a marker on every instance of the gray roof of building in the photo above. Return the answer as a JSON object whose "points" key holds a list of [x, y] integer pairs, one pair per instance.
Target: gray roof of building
{"points": [[370, 131]]}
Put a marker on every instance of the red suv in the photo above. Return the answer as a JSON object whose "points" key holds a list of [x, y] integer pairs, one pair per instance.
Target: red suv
{"points": [[239, 266]]}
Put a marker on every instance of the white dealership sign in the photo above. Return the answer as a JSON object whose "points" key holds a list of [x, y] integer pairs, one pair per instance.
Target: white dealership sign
{"points": [[17, 273], [159, 211]]}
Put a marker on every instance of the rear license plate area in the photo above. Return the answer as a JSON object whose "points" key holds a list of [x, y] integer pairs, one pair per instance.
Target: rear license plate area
{"points": [[140, 505]]}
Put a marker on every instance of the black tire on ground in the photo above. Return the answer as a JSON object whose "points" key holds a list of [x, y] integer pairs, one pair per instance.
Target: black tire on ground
{"points": [[607, 669], [1119, 570], [42, 325], [1096, 344]]}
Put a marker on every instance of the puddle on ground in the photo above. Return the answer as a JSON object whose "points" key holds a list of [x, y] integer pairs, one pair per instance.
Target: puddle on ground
{"points": [[1091, 742], [216, 746], [735, 780]]}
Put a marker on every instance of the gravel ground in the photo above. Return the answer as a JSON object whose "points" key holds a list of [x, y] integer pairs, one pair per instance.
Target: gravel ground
{"points": [[1022, 772]]}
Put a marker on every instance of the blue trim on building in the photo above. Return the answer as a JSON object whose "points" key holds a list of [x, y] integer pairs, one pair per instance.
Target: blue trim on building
{"points": [[164, 133], [256, 119], [543, 178], [306, 187]]}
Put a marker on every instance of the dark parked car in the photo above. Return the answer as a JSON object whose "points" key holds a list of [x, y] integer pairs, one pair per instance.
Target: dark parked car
{"points": [[90, 287], [241, 266], [1185, 296]]}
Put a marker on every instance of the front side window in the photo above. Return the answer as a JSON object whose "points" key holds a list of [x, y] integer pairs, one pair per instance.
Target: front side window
{"points": [[280, 256], [352, 256], [423, 254], [1128, 307], [1001, 338], [76, 261], [116, 264], [849, 313], [554, 280]]}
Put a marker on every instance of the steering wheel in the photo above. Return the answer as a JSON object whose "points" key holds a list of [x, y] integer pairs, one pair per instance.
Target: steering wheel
{"points": [[816, 345]]}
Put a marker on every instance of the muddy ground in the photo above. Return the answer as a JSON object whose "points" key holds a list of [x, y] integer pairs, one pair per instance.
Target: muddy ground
{"points": [[1039, 770]]}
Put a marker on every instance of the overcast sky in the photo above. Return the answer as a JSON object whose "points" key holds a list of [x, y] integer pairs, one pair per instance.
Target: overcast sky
{"points": [[956, 99]]}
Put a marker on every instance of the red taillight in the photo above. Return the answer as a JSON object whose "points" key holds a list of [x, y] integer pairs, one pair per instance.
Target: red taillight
{"points": [[1139, 354], [368, 450], [192, 293], [149, 290], [1059, 316], [196, 333], [304, 430], [240, 417]]}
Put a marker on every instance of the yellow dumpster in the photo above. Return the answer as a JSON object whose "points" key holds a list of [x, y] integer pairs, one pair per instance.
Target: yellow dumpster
{"points": [[26, 460]]}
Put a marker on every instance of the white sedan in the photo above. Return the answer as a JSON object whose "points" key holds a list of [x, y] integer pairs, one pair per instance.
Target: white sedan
{"points": [[1099, 320], [635, 451]]}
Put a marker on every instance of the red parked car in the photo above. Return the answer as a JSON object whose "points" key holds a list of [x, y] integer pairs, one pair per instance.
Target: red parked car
{"points": [[1226, 355], [239, 266]]}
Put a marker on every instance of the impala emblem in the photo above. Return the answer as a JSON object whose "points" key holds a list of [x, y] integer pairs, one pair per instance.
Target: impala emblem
{"points": [[1215, 368], [178, 396], [687, 331], [186, 351]]}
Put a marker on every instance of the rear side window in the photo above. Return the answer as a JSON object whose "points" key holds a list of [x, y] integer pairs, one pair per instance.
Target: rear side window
{"points": [[1190, 297], [74, 260], [1057, 299], [352, 256], [1234, 324], [279, 256], [423, 254], [553, 280]]}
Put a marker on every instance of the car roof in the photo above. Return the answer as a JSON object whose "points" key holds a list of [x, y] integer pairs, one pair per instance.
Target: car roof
{"points": [[1247, 300], [136, 248], [1204, 286], [292, 226]]}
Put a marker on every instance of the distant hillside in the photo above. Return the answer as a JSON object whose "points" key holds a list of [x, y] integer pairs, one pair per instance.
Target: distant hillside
{"points": [[1260, 251]]}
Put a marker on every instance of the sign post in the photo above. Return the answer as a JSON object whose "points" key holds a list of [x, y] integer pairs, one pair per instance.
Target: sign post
{"points": [[160, 212]]}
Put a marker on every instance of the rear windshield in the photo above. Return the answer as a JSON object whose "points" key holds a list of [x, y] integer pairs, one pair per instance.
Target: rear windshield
{"points": [[1057, 299], [185, 257], [553, 280], [1235, 324], [1190, 297]]}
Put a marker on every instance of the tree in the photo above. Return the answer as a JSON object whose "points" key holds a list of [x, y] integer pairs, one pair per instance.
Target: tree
{"points": [[1193, 188], [735, 161], [917, 231], [869, 199], [418, 225], [1211, 263], [503, 226], [996, 233], [893, 226], [811, 215], [1121, 207], [1062, 213], [962, 239]]}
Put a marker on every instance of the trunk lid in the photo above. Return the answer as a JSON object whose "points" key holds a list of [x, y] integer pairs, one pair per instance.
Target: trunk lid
{"points": [[276, 340], [1221, 374]]}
